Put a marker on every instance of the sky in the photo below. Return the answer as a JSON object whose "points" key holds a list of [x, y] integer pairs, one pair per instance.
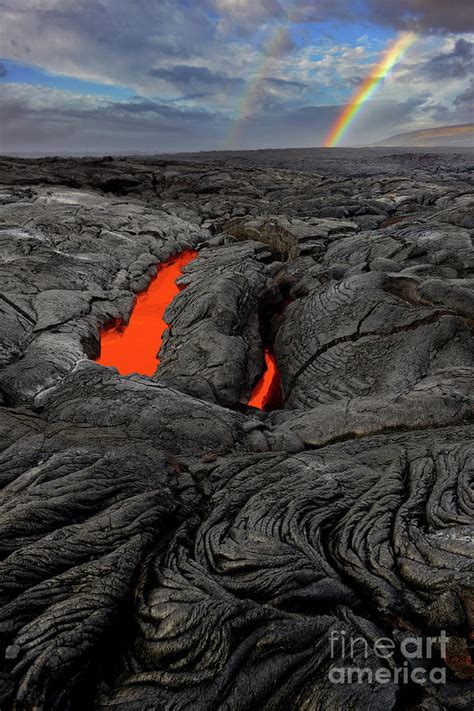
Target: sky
{"points": [[155, 76]]}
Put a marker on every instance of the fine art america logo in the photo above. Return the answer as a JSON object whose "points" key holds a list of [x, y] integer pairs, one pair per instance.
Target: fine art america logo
{"points": [[348, 649]]}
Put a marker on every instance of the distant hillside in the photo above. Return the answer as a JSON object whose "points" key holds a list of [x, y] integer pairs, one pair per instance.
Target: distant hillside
{"points": [[460, 136]]}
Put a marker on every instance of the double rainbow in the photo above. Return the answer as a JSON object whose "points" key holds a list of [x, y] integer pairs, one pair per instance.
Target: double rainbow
{"points": [[250, 97], [367, 88]]}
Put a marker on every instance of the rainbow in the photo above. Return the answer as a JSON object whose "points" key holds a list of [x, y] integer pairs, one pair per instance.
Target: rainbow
{"points": [[249, 100], [367, 88]]}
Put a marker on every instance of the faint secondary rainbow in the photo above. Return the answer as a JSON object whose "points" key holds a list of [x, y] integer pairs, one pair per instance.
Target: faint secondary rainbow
{"points": [[249, 100], [367, 88]]}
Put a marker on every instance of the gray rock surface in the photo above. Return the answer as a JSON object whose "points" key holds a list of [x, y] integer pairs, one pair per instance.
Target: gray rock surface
{"points": [[213, 348], [72, 262], [364, 335], [164, 545]]}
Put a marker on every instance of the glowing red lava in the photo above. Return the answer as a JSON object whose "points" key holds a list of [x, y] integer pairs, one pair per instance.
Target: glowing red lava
{"points": [[134, 347], [267, 393]]}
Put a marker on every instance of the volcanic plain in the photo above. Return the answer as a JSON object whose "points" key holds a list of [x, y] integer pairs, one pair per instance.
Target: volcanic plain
{"points": [[167, 539]]}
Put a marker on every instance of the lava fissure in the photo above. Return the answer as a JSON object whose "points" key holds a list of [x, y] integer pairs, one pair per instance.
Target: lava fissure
{"points": [[134, 347], [266, 394]]}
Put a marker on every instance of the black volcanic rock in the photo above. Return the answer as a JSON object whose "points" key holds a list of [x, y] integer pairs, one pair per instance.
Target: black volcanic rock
{"points": [[362, 336], [163, 545], [213, 349], [72, 262], [288, 549]]}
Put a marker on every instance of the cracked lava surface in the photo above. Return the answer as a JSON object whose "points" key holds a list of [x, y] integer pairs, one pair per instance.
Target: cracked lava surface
{"points": [[163, 547], [267, 393], [134, 347]]}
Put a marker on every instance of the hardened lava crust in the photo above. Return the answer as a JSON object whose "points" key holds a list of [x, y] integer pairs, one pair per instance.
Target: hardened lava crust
{"points": [[164, 545]]}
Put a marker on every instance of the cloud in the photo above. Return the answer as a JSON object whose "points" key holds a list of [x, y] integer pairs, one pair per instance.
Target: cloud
{"points": [[424, 15], [110, 41], [190, 62], [194, 78], [245, 10], [285, 83], [52, 121], [320, 11], [307, 126], [421, 15], [466, 98], [272, 95], [446, 115], [244, 14], [455, 64], [388, 116], [280, 43], [191, 97]]}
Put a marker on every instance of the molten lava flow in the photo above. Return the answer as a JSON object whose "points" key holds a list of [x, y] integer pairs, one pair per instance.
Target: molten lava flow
{"points": [[267, 392], [134, 348]]}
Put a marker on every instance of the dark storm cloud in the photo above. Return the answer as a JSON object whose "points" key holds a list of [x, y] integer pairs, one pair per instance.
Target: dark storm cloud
{"points": [[421, 15], [466, 98], [246, 13], [186, 77], [456, 64], [428, 15]]}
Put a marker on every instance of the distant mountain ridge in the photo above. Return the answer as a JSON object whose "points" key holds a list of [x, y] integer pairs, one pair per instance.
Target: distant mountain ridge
{"points": [[461, 135]]}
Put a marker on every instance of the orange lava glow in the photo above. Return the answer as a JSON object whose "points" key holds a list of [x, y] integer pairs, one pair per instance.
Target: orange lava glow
{"points": [[134, 347], [267, 392]]}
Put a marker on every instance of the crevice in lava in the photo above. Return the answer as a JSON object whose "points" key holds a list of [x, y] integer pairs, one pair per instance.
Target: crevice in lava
{"points": [[134, 347], [267, 394]]}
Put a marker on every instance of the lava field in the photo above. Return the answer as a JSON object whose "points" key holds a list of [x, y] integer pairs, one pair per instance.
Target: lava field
{"points": [[236, 430]]}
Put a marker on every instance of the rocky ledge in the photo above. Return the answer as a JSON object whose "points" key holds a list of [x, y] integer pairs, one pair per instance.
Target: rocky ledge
{"points": [[164, 545]]}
